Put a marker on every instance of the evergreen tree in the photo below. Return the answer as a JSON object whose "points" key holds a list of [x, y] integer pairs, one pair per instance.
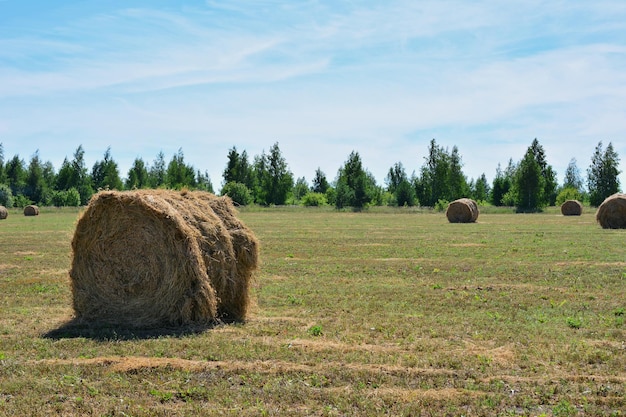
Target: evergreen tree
{"points": [[395, 176], [275, 181], [320, 183], [157, 172], [16, 175], [602, 175], [399, 186], [74, 175], [138, 177], [441, 177], [179, 174], [105, 174], [550, 183], [238, 169], [203, 182], [480, 190], [35, 188], [353, 185], [529, 184], [457, 183], [405, 194], [501, 186], [432, 184]]}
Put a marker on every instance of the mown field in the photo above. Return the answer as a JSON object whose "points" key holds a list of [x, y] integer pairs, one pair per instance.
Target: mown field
{"points": [[389, 312]]}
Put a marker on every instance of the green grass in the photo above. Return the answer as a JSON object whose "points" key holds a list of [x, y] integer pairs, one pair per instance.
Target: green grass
{"points": [[387, 312]]}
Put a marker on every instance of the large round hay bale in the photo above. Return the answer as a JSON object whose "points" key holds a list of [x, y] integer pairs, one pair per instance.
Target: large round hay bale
{"points": [[463, 210], [4, 213], [31, 210], [161, 258], [612, 212], [572, 208]]}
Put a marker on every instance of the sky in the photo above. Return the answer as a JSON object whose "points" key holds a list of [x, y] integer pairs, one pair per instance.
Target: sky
{"points": [[321, 78]]}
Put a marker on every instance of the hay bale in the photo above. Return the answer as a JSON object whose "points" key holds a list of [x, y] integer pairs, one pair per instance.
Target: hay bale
{"points": [[572, 208], [4, 213], [463, 210], [31, 210], [612, 212], [157, 257]]}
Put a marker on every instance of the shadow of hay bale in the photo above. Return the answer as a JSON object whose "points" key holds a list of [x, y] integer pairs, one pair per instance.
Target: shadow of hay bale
{"points": [[75, 329], [463, 210], [161, 258]]}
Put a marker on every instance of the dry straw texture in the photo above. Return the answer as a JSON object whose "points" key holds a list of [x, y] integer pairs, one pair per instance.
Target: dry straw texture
{"points": [[463, 210], [612, 212], [572, 208], [161, 258], [31, 211], [4, 213]]}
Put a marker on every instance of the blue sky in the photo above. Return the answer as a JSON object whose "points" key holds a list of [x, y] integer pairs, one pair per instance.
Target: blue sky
{"points": [[320, 77]]}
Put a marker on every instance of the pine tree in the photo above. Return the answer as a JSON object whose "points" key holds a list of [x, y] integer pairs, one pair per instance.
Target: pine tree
{"points": [[35, 188], [320, 183], [275, 181], [457, 183], [602, 175], [480, 191], [138, 177], [105, 174], [180, 175], [549, 176], [353, 185], [16, 175], [529, 184], [157, 172]]}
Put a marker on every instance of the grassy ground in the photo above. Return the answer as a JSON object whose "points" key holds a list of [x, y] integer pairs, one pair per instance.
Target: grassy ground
{"points": [[395, 312]]}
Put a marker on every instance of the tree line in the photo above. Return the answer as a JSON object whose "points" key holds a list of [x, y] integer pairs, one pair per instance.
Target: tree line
{"points": [[529, 184]]}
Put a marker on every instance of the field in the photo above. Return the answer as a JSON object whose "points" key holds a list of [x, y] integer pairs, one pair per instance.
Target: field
{"points": [[388, 312]]}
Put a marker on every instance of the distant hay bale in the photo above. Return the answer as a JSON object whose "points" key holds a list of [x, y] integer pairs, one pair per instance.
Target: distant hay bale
{"points": [[463, 210], [4, 213], [612, 212], [31, 210], [572, 208], [161, 258]]}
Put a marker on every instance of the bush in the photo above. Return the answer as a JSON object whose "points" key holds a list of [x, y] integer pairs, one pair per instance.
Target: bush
{"points": [[72, 197], [568, 193], [312, 199], [6, 196], [21, 201], [441, 205], [238, 192], [69, 198]]}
